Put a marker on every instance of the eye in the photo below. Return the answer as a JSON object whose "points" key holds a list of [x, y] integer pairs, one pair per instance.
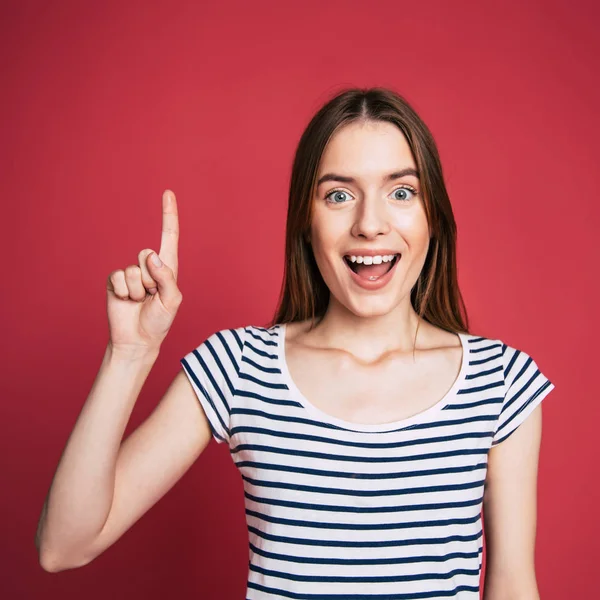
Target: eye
{"points": [[406, 190], [336, 195]]}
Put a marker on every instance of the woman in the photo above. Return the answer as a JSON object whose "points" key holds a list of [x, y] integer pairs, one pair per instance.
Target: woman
{"points": [[369, 426]]}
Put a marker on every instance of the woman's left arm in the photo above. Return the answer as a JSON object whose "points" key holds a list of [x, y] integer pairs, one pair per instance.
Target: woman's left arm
{"points": [[510, 513]]}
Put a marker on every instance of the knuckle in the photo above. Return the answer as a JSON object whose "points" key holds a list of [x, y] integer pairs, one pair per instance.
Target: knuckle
{"points": [[144, 253], [116, 276], [132, 270]]}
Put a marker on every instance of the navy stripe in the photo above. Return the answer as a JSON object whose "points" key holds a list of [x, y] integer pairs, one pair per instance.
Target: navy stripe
{"points": [[239, 430], [483, 361], [258, 337], [272, 386], [260, 352], [483, 388], [358, 459], [486, 348], [471, 405], [364, 561], [375, 579], [526, 389], [507, 423], [364, 544], [221, 368], [495, 369], [208, 399], [261, 367], [229, 354], [362, 527], [361, 493], [263, 399], [365, 509], [513, 359], [289, 419], [237, 338], [208, 374], [269, 331], [411, 596], [376, 476]]}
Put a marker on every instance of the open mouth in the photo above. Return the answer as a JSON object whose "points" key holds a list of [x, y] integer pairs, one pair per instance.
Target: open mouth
{"points": [[372, 271]]}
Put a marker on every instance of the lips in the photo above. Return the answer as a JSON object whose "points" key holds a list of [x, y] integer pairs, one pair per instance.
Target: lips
{"points": [[370, 279]]}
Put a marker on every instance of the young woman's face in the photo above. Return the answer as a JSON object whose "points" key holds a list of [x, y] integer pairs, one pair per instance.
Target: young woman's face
{"points": [[368, 207]]}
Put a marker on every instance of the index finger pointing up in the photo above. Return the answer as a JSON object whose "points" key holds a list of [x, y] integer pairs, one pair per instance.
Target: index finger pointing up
{"points": [[170, 231]]}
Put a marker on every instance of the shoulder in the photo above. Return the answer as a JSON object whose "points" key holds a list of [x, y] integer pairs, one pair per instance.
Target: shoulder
{"points": [[508, 357], [509, 353], [522, 374], [514, 359], [247, 339], [482, 342], [484, 355]]}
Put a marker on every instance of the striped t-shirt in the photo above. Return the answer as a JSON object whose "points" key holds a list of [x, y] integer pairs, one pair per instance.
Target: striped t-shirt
{"points": [[345, 511]]}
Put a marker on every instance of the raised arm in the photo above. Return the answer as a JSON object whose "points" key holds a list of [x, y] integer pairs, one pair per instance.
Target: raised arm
{"points": [[103, 485]]}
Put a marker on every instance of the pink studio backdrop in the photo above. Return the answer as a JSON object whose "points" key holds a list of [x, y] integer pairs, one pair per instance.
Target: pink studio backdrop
{"points": [[104, 105]]}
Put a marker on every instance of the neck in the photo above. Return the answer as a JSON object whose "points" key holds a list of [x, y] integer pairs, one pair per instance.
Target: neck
{"points": [[372, 336]]}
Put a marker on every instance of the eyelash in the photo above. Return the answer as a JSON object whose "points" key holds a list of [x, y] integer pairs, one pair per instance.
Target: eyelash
{"points": [[401, 187]]}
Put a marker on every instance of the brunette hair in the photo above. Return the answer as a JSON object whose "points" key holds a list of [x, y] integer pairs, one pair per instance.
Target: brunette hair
{"points": [[304, 295]]}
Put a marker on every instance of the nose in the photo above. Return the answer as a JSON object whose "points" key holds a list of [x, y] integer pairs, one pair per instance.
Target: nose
{"points": [[372, 218]]}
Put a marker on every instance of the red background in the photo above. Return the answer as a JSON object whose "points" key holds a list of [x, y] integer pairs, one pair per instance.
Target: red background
{"points": [[104, 105]]}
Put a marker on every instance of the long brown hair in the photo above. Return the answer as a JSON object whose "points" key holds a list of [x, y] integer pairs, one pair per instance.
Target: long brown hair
{"points": [[304, 295]]}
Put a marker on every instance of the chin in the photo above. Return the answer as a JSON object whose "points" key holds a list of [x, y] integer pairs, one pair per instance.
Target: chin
{"points": [[372, 309], [369, 306]]}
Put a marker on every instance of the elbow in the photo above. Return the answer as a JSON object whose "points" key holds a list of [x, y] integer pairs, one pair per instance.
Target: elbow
{"points": [[45, 558], [49, 564], [53, 564], [49, 561], [53, 561]]}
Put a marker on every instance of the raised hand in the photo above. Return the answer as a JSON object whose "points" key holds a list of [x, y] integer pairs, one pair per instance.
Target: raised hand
{"points": [[142, 300]]}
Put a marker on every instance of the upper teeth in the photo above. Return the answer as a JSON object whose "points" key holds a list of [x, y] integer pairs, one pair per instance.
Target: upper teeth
{"points": [[372, 260]]}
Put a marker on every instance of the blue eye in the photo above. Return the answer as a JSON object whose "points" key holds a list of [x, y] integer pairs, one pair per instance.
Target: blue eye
{"points": [[338, 196], [404, 189], [337, 193]]}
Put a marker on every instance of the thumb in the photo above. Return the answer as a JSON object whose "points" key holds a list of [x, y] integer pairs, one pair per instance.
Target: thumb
{"points": [[165, 280]]}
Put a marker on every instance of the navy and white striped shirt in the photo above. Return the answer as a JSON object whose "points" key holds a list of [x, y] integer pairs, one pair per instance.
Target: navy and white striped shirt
{"points": [[346, 511]]}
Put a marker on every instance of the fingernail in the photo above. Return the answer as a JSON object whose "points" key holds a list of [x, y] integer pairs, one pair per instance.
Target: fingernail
{"points": [[156, 260]]}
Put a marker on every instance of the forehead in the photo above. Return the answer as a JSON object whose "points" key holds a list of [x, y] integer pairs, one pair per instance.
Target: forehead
{"points": [[367, 149]]}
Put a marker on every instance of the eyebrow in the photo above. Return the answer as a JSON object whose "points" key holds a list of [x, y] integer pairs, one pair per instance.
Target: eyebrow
{"points": [[390, 177]]}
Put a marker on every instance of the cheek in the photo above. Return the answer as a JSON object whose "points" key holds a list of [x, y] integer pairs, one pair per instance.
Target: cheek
{"points": [[325, 235], [324, 257], [413, 227], [325, 252]]}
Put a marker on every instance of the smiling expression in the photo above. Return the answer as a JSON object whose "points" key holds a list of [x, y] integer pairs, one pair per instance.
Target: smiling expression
{"points": [[368, 201]]}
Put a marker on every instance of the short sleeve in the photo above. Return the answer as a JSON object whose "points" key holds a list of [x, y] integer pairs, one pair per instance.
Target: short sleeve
{"points": [[525, 386], [213, 370]]}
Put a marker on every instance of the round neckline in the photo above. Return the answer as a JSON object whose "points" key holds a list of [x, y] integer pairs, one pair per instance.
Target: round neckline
{"points": [[370, 427]]}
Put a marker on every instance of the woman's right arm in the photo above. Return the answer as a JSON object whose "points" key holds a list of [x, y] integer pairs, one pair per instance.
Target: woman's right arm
{"points": [[102, 486]]}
